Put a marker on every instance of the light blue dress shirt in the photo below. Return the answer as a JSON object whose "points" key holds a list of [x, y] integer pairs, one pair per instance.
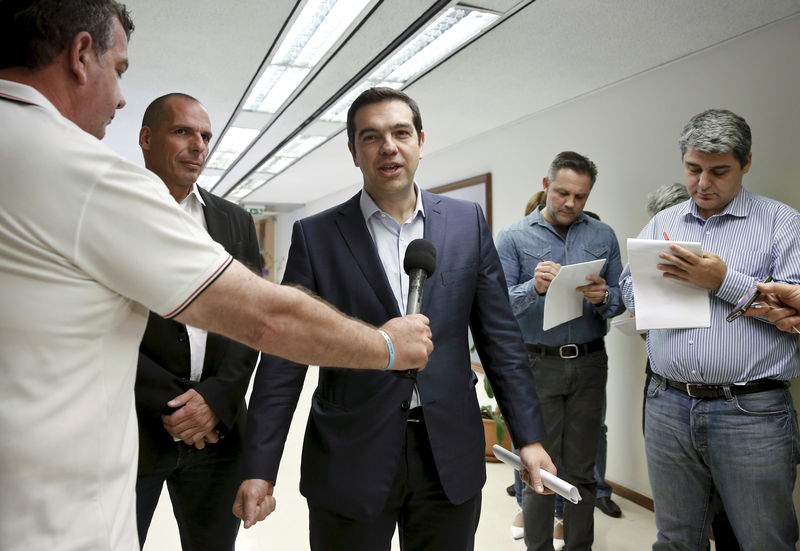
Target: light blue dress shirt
{"points": [[392, 239], [532, 240], [755, 236]]}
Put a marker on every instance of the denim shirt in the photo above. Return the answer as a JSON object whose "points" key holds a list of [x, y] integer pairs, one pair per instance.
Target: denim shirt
{"points": [[532, 240]]}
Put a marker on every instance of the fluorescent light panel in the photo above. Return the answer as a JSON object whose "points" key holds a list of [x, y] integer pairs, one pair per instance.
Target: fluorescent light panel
{"points": [[248, 186], [207, 181], [320, 24], [231, 146], [289, 153], [443, 36]]}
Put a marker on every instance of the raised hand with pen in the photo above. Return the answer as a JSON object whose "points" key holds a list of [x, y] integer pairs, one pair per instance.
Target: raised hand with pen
{"points": [[707, 270], [544, 274]]}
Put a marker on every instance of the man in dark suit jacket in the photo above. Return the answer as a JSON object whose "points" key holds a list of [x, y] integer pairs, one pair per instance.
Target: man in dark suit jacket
{"points": [[383, 449], [190, 385]]}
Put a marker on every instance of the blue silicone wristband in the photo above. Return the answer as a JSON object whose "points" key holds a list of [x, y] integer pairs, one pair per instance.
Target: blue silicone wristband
{"points": [[390, 345]]}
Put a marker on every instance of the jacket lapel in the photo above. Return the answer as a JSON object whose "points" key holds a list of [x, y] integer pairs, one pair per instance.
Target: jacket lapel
{"points": [[350, 222], [435, 220], [216, 220]]}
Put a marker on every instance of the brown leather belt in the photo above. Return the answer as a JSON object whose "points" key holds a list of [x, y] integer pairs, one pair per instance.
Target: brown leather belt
{"points": [[567, 351]]}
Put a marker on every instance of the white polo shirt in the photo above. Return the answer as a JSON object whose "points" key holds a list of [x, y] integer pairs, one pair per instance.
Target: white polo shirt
{"points": [[89, 242]]}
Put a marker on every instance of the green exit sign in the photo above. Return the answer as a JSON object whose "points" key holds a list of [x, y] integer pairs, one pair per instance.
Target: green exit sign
{"points": [[255, 211]]}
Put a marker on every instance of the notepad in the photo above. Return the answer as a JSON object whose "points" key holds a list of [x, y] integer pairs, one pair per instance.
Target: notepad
{"points": [[665, 303]]}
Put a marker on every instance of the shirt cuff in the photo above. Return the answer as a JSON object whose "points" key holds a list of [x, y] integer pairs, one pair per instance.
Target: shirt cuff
{"points": [[734, 286]]}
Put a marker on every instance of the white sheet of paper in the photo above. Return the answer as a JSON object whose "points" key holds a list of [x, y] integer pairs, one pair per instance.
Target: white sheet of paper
{"points": [[663, 303], [563, 302], [558, 485], [626, 323]]}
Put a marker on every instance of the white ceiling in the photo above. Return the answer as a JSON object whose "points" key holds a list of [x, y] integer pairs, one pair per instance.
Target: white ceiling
{"points": [[546, 53]]}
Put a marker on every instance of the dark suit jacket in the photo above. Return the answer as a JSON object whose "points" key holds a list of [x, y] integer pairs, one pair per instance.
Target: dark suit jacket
{"points": [[357, 423], [164, 356]]}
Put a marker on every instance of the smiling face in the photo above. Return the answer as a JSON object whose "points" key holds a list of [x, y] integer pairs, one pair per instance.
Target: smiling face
{"points": [[713, 179], [387, 149], [567, 194], [176, 146]]}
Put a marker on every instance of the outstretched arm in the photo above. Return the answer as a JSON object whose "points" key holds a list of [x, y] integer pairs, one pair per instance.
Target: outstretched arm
{"points": [[288, 322]]}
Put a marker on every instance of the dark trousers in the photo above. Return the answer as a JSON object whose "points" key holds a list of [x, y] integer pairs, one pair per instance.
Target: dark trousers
{"points": [[427, 520], [571, 393], [202, 485]]}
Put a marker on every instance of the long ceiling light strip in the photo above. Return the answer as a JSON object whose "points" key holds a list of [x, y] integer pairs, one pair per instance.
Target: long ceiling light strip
{"points": [[442, 37], [446, 34], [277, 163], [317, 28], [232, 143]]}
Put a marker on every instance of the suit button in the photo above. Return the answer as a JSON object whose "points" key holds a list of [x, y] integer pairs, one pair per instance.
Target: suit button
{"points": [[405, 405]]}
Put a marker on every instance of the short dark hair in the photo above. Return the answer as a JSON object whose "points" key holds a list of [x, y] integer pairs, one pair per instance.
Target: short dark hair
{"points": [[157, 110], [573, 161], [718, 131], [34, 32], [377, 95]]}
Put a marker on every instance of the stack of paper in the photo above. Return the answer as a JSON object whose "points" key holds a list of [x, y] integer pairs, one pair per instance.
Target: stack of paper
{"points": [[665, 303], [563, 302]]}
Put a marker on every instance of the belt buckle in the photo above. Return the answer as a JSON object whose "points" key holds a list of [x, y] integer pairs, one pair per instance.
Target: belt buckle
{"points": [[689, 389], [567, 356]]}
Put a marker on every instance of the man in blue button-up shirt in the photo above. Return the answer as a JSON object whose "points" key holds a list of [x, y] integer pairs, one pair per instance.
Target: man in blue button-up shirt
{"points": [[733, 427], [569, 361]]}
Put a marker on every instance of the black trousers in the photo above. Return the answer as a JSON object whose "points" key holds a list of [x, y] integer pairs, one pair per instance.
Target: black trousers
{"points": [[202, 485], [417, 505]]}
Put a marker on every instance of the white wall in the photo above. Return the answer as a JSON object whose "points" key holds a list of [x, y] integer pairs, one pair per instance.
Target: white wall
{"points": [[630, 130]]}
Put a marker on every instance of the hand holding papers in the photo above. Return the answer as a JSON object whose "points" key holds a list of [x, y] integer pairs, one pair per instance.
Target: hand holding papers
{"points": [[559, 486], [664, 303], [563, 302]]}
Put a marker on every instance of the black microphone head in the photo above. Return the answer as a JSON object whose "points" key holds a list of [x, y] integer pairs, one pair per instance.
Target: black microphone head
{"points": [[421, 255]]}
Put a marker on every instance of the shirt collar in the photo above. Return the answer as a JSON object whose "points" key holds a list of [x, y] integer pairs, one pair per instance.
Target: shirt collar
{"points": [[194, 192], [369, 207], [535, 217], [16, 91], [738, 207]]}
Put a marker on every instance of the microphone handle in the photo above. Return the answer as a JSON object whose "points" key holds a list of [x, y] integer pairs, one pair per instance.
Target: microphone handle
{"points": [[416, 281]]}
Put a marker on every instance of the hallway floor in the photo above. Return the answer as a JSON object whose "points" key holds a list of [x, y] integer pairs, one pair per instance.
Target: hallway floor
{"points": [[287, 528]]}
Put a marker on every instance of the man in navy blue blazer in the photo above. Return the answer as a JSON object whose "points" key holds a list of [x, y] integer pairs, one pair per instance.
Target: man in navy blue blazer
{"points": [[405, 448]]}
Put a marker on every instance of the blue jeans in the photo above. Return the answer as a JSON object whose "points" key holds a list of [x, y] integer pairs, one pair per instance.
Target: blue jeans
{"points": [[745, 447]]}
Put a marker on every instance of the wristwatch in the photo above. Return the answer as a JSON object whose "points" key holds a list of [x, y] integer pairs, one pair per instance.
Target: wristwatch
{"points": [[605, 299]]}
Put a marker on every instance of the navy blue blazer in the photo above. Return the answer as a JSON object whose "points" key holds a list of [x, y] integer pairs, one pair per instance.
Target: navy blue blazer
{"points": [[357, 422]]}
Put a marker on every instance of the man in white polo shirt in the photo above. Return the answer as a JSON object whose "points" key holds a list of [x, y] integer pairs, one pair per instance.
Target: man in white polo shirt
{"points": [[89, 243]]}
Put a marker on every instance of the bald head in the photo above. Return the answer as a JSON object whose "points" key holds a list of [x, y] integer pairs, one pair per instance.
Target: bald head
{"points": [[174, 138], [158, 109]]}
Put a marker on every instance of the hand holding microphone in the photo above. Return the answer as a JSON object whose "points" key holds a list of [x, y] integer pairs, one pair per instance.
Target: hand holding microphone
{"points": [[409, 351]]}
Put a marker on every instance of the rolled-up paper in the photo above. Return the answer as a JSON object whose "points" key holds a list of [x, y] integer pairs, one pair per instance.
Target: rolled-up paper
{"points": [[559, 486]]}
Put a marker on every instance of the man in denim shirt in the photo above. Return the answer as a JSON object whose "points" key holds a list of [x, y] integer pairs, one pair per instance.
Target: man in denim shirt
{"points": [[569, 361]]}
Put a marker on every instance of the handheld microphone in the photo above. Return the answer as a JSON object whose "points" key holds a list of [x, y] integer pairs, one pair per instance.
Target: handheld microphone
{"points": [[419, 263]]}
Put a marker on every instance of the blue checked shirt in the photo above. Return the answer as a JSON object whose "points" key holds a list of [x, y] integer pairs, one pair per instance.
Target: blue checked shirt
{"points": [[755, 236], [527, 242]]}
